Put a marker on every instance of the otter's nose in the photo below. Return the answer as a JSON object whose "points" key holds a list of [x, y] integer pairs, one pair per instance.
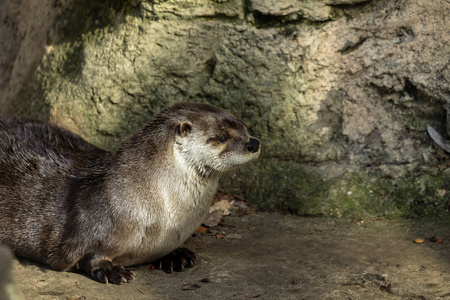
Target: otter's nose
{"points": [[253, 145]]}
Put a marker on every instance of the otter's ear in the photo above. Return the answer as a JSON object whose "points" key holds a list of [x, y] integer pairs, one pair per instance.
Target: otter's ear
{"points": [[184, 128]]}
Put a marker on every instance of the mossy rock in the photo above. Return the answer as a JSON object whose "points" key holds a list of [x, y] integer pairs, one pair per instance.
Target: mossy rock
{"points": [[300, 189]]}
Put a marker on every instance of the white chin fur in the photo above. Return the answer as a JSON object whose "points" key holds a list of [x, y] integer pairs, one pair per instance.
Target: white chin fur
{"points": [[234, 160], [205, 158]]}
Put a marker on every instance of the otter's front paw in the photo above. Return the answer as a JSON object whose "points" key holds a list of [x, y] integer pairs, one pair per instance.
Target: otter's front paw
{"points": [[104, 271], [176, 261], [117, 275]]}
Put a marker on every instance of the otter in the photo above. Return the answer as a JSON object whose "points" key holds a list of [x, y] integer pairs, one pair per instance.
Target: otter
{"points": [[73, 206]]}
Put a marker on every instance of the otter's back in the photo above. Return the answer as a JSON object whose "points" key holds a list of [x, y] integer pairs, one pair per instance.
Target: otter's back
{"points": [[38, 162]]}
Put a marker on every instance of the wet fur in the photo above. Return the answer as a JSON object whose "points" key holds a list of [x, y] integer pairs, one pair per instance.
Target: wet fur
{"points": [[67, 203]]}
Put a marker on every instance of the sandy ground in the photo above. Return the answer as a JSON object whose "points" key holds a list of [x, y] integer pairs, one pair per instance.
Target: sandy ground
{"points": [[270, 256]]}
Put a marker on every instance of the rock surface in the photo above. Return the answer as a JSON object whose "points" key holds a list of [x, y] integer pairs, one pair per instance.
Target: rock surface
{"points": [[339, 91], [281, 257], [8, 289]]}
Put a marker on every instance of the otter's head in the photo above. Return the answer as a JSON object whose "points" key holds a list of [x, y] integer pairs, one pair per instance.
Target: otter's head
{"points": [[211, 139]]}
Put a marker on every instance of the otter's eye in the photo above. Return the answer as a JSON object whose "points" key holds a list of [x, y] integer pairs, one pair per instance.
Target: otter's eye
{"points": [[222, 139]]}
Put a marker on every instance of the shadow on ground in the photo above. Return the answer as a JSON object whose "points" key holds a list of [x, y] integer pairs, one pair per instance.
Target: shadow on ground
{"points": [[270, 256]]}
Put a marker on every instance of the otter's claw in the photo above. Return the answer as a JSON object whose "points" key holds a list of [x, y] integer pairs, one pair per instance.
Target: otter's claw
{"points": [[176, 261], [116, 275], [104, 271]]}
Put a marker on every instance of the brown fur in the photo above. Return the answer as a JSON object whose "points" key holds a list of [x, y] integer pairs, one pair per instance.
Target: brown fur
{"points": [[67, 203]]}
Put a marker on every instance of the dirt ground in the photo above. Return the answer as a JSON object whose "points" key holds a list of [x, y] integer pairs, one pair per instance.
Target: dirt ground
{"points": [[271, 256]]}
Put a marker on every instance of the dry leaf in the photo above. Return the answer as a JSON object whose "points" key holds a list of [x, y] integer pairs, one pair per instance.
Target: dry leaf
{"points": [[223, 205], [219, 209], [201, 229], [436, 239], [253, 296], [229, 204], [223, 224], [386, 288], [190, 286], [237, 236], [240, 208], [442, 192], [219, 196], [219, 236], [213, 218]]}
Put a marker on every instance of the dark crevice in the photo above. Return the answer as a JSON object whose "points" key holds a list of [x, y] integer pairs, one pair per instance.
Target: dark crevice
{"points": [[246, 7], [218, 16], [405, 34], [265, 21], [411, 89], [351, 6], [351, 46], [270, 21], [210, 65]]}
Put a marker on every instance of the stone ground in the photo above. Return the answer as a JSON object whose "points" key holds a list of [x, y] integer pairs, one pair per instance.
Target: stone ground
{"points": [[272, 256]]}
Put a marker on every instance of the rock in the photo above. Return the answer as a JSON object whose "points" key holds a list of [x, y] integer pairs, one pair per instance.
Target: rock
{"points": [[309, 9], [192, 9], [26, 26], [8, 289], [344, 2], [340, 92]]}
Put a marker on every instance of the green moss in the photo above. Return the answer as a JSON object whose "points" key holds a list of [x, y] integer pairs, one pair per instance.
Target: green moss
{"points": [[359, 196], [72, 65], [299, 189], [280, 185], [85, 16], [368, 195], [419, 197]]}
